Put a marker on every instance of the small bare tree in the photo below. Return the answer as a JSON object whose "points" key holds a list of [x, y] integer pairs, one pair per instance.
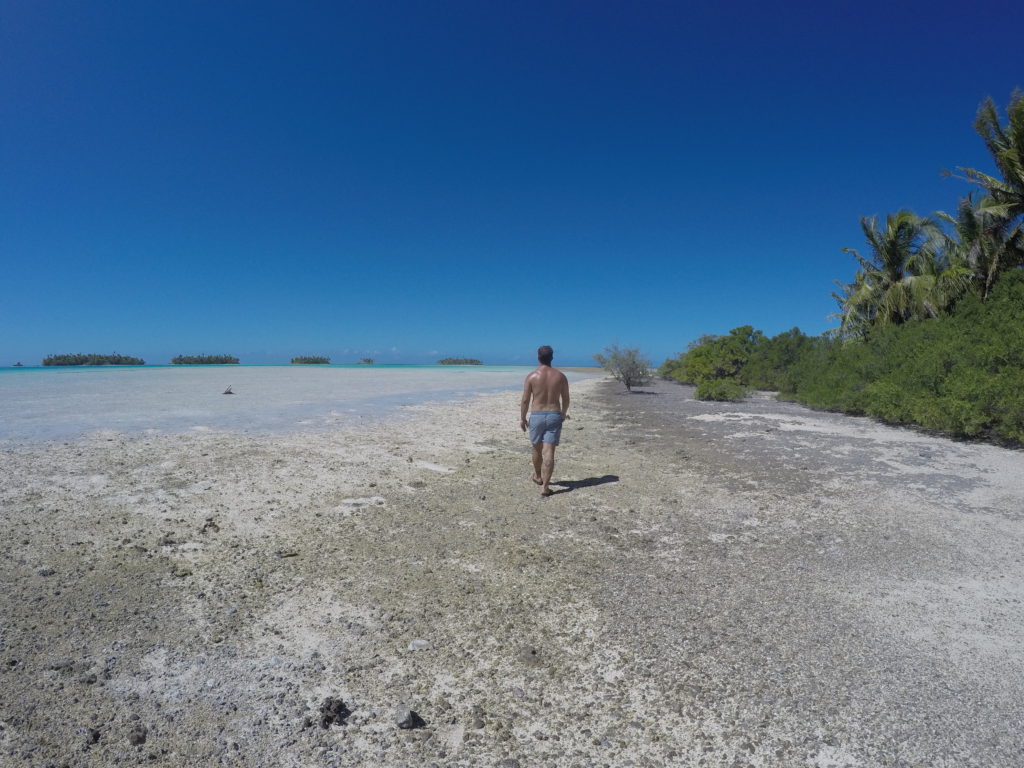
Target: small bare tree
{"points": [[626, 365]]}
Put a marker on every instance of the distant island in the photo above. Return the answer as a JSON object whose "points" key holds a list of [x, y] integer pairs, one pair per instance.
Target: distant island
{"points": [[18, 365], [204, 360], [92, 360], [366, 361], [459, 361], [314, 360]]}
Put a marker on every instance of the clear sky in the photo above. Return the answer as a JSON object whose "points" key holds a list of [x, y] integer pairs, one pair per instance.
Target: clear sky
{"points": [[410, 180]]}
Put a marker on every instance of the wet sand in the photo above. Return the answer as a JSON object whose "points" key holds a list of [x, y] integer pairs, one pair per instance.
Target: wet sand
{"points": [[714, 584]]}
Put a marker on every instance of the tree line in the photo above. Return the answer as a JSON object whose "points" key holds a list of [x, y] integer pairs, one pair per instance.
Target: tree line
{"points": [[92, 359], [204, 360], [931, 329]]}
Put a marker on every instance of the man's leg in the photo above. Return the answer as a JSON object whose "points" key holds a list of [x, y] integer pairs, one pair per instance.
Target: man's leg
{"points": [[547, 466], [537, 461]]}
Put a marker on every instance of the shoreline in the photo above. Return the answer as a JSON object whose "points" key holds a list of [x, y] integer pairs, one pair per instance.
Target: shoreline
{"points": [[724, 582], [356, 365], [37, 406]]}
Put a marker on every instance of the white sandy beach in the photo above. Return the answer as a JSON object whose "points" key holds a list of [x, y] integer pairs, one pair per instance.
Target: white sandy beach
{"points": [[727, 585]]}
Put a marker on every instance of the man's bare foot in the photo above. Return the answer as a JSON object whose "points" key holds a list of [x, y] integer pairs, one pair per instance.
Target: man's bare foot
{"points": [[537, 480], [547, 492]]}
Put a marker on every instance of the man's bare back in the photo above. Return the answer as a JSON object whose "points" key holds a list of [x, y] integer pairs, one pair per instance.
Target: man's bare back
{"points": [[548, 389], [546, 397]]}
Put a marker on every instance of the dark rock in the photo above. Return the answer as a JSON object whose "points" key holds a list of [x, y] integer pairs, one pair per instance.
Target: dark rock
{"points": [[406, 719], [333, 712], [530, 656], [89, 737], [46, 572], [137, 735]]}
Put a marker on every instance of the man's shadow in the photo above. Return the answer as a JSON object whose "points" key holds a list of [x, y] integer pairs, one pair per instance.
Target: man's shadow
{"points": [[565, 486]]}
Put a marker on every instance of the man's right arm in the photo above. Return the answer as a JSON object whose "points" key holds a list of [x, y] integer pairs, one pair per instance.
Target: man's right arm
{"points": [[524, 403], [565, 398]]}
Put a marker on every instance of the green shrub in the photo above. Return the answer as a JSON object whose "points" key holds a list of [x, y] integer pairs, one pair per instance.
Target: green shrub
{"points": [[673, 368], [720, 389], [962, 374], [723, 356], [716, 364], [770, 359]]}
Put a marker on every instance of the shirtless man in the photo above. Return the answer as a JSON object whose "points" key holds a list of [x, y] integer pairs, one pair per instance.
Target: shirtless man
{"points": [[548, 389]]}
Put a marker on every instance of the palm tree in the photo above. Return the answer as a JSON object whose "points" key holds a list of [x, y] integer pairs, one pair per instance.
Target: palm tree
{"points": [[983, 241], [904, 277], [854, 314], [1006, 145]]}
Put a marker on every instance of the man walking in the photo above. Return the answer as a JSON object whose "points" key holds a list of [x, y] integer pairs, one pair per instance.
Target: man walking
{"points": [[547, 390]]}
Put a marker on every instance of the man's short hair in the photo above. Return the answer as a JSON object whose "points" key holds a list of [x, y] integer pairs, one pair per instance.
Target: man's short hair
{"points": [[545, 354]]}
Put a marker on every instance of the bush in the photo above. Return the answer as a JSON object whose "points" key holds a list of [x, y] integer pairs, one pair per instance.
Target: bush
{"points": [[314, 360], [962, 374], [672, 369], [770, 359], [625, 365], [459, 361], [720, 389], [718, 364]]}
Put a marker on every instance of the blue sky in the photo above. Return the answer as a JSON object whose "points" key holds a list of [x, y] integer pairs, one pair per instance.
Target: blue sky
{"points": [[421, 179]]}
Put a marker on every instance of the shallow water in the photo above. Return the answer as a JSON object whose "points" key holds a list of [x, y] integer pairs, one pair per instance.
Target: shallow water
{"points": [[62, 403]]}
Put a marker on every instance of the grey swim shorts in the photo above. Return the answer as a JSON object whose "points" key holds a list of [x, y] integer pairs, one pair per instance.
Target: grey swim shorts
{"points": [[545, 426]]}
